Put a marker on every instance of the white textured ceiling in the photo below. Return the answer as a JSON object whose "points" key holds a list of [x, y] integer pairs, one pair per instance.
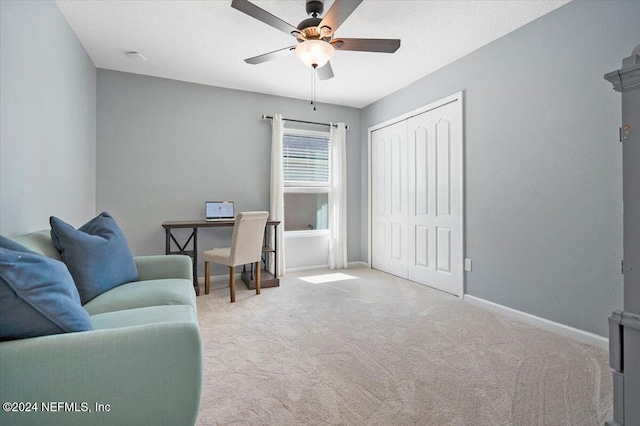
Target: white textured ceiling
{"points": [[206, 42]]}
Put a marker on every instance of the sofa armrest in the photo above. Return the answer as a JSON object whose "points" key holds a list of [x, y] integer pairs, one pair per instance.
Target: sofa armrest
{"points": [[161, 267], [148, 374]]}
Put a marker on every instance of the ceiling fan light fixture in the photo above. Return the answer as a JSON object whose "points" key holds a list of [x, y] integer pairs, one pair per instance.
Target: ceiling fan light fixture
{"points": [[314, 53]]}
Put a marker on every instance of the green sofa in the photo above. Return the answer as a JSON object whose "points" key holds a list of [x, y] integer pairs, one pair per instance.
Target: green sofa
{"points": [[141, 365]]}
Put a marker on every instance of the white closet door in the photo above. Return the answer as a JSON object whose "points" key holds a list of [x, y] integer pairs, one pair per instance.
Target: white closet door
{"points": [[435, 206], [389, 234], [416, 195]]}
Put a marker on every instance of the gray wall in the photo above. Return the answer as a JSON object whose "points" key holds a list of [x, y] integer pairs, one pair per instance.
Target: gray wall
{"points": [[543, 196], [47, 120], [165, 147]]}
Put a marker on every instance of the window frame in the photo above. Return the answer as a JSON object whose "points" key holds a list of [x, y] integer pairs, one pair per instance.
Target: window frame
{"points": [[295, 187]]}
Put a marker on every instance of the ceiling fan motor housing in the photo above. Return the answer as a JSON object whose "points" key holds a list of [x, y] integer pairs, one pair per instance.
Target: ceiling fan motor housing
{"points": [[309, 28], [315, 8]]}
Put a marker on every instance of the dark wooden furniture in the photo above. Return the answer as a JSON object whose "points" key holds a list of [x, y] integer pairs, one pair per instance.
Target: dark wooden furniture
{"points": [[190, 248]]}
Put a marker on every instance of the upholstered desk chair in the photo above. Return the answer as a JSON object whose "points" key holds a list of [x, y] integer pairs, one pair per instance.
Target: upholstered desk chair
{"points": [[246, 247]]}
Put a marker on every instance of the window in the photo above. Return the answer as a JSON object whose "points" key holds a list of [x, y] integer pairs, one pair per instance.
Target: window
{"points": [[306, 180]]}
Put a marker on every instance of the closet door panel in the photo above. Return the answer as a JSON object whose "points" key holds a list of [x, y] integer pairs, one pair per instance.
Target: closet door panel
{"points": [[420, 170], [421, 186], [443, 250], [443, 165], [421, 246], [435, 176], [389, 199]]}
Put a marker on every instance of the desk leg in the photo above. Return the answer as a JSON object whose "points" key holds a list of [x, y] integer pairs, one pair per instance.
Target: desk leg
{"points": [[182, 249], [195, 261], [275, 252]]}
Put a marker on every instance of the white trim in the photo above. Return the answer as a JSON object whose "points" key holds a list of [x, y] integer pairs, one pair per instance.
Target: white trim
{"points": [[311, 233], [369, 206], [545, 324], [308, 268], [433, 105], [358, 264], [458, 96], [463, 210]]}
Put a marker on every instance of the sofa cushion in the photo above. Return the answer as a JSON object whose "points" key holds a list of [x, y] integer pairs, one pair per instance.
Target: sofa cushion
{"points": [[144, 316], [40, 242], [97, 254], [140, 294], [37, 295]]}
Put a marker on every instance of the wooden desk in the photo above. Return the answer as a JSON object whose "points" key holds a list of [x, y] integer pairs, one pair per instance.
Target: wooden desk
{"points": [[266, 279]]}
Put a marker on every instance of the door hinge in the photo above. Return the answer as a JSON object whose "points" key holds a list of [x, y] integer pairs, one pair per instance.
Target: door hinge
{"points": [[625, 131], [624, 268], [619, 134]]}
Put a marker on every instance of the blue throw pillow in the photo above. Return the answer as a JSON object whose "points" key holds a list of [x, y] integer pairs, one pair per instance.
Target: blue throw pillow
{"points": [[37, 295], [97, 254]]}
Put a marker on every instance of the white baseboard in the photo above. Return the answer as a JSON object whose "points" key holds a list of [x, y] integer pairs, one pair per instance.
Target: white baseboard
{"points": [[358, 264], [307, 268], [545, 324]]}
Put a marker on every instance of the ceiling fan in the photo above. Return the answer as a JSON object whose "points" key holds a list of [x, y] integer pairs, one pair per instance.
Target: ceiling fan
{"points": [[315, 35]]}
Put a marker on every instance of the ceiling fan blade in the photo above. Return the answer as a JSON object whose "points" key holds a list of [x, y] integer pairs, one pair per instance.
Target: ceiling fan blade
{"points": [[338, 13], [254, 11], [326, 72], [269, 56], [384, 45]]}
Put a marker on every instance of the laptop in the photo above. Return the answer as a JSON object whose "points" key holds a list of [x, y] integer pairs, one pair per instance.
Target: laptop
{"points": [[218, 211]]}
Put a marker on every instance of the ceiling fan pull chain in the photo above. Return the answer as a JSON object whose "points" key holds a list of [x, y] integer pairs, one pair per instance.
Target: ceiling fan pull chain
{"points": [[313, 87]]}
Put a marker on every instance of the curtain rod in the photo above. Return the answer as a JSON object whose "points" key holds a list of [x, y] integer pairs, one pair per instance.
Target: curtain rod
{"points": [[269, 117]]}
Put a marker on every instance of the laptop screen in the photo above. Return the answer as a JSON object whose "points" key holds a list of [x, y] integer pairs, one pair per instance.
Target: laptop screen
{"points": [[219, 210]]}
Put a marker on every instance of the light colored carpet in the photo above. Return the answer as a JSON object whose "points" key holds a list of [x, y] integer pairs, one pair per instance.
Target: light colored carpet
{"points": [[380, 350]]}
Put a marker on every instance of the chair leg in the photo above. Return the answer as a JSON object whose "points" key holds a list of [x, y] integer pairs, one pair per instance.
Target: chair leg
{"points": [[258, 277], [207, 277], [232, 283]]}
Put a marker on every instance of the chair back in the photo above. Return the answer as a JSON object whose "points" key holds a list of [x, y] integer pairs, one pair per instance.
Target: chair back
{"points": [[248, 233]]}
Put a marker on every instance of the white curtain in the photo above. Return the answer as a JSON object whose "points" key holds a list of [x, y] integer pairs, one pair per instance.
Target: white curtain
{"points": [[338, 198], [277, 191]]}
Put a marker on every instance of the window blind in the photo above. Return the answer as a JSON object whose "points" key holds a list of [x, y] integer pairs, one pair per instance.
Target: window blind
{"points": [[306, 159]]}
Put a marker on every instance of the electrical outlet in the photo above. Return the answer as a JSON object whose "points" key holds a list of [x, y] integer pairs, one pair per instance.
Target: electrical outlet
{"points": [[467, 265]]}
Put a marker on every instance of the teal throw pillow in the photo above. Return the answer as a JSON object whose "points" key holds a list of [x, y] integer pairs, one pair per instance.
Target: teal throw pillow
{"points": [[97, 254], [37, 295]]}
